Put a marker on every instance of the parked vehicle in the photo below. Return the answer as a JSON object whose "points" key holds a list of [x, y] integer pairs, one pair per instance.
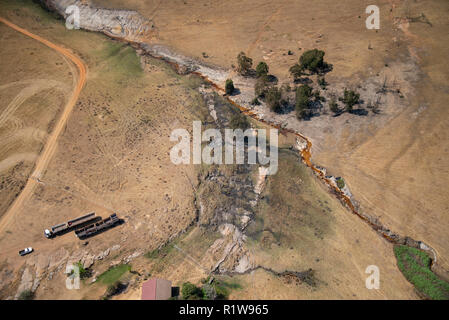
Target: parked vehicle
{"points": [[26, 251], [97, 227], [69, 225]]}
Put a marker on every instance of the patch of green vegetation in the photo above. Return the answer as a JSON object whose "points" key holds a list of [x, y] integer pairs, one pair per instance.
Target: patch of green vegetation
{"points": [[340, 183], [26, 295], [239, 121], [415, 265], [44, 16], [350, 99], [218, 289], [191, 292], [123, 59], [114, 274], [193, 81], [160, 252], [224, 288], [244, 64], [84, 273], [302, 104], [262, 86], [262, 69], [273, 99]]}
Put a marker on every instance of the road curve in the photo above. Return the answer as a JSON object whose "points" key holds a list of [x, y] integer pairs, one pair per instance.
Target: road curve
{"points": [[50, 145]]}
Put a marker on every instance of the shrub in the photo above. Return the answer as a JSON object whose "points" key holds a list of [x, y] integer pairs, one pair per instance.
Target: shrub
{"points": [[318, 97], [26, 295], [296, 71], [239, 121], [302, 106], [114, 289], [262, 86], [255, 102], [229, 86], [84, 273], [262, 69], [244, 63], [350, 98], [191, 292], [273, 99], [333, 105], [340, 183], [322, 83]]}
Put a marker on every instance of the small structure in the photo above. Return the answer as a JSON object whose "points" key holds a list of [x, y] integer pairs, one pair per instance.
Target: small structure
{"points": [[156, 289]]}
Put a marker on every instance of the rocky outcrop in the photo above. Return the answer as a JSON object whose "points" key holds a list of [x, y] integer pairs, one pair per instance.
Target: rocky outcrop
{"points": [[124, 24]]}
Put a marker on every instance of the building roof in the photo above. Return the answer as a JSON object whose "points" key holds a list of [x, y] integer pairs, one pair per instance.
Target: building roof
{"points": [[156, 289]]}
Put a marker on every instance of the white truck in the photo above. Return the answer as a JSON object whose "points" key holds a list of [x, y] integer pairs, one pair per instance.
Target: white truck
{"points": [[25, 251]]}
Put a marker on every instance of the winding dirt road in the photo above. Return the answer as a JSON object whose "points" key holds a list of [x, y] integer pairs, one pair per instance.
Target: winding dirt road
{"points": [[50, 146]]}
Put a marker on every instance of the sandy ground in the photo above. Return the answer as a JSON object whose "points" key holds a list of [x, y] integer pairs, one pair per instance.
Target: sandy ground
{"points": [[113, 154], [394, 162]]}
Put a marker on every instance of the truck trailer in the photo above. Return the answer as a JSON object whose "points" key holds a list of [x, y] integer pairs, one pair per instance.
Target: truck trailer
{"points": [[97, 227], [69, 225]]}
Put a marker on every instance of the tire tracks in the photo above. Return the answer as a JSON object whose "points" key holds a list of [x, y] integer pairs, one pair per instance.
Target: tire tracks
{"points": [[50, 146]]}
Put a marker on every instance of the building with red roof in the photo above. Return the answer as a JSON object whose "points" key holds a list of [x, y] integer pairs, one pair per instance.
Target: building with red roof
{"points": [[156, 289]]}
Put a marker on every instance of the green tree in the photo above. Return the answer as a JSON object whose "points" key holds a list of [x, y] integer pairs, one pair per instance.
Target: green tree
{"points": [[313, 60], [244, 63], [302, 106], [296, 71], [262, 86], [191, 292], [262, 69], [350, 99], [229, 86], [273, 99]]}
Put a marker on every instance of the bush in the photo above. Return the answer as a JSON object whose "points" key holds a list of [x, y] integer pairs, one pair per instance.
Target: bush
{"points": [[333, 105], [244, 63], [302, 106], [261, 87], [191, 292], [114, 289], [26, 295], [296, 71], [273, 99], [313, 60], [84, 273], [340, 183], [229, 87], [350, 99], [239, 121], [262, 69], [255, 102], [322, 83]]}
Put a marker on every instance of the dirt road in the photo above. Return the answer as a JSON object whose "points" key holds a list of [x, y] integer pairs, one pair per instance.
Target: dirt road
{"points": [[50, 146]]}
